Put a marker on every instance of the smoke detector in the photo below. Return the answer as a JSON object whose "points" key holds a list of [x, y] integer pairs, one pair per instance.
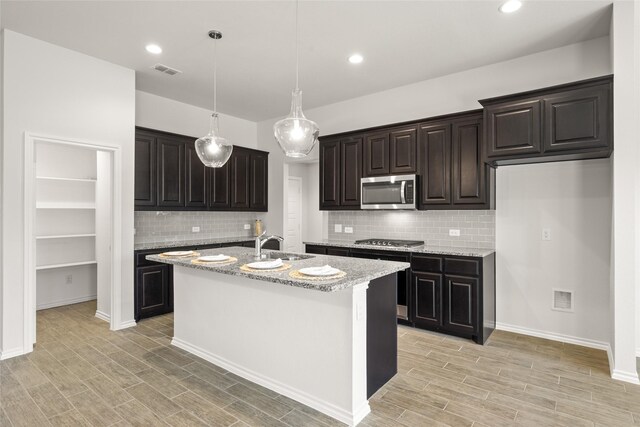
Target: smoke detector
{"points": [[166, 70]]}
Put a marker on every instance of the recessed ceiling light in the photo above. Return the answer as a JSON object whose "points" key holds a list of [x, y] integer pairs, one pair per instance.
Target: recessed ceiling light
{"points": [[356, 58], [510, 6], [153, 48]]}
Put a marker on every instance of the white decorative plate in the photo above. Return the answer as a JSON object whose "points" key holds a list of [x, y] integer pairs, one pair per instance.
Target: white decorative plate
{"points": [[214, 258], [319, 271], [266, 265]]}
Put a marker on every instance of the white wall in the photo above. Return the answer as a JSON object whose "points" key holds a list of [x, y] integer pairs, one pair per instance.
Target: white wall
{"points": [[626, 187], [73, 96], [165, 114], [443, 95], [573, 200], [1, 162], [103, 233]]}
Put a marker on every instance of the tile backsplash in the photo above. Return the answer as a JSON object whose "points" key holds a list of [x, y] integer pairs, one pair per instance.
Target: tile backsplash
{"points": [[168, 226], [477, 228]]}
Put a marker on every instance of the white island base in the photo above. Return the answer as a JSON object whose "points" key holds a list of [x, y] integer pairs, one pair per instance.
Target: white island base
{"points": [[308, 345]]}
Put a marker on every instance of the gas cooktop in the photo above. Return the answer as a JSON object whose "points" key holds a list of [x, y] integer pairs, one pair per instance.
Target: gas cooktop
{"points": [[390, 243]]}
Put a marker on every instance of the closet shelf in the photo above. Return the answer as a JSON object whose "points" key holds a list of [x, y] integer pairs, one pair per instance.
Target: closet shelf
{"points": [[69, 264], [64, 236], [55, 178]]}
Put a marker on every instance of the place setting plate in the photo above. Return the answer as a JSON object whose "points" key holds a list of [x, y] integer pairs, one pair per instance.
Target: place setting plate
{"points": [[214, 260], [325, 272], [266, 266], [179, 254]]}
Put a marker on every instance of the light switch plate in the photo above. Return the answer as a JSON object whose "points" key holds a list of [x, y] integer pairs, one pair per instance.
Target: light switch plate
{"points": [[348, 229], [247, 227], [546, 234], [454, 232], [337, 228], [195, 229]]}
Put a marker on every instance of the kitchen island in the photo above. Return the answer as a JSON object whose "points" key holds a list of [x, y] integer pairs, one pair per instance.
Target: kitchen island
{"points": [[329, 344]]}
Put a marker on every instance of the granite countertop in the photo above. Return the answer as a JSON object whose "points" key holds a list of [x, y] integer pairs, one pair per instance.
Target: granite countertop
{"points": [[358, 270], [436, 250], [192, 242]]}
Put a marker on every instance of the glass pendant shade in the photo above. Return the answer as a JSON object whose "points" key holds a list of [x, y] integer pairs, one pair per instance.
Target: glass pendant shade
{"points": [[295, 133], [212, 149]]}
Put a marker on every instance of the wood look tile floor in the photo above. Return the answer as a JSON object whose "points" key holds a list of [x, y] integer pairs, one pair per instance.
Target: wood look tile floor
{"points": [[83, 374]]}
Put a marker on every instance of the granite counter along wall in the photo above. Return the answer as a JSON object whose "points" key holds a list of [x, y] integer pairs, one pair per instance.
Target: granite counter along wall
{"points": [[477, 228], [168, 226]]}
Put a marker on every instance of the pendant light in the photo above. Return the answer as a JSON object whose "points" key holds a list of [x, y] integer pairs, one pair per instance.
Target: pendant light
{"points": [[212, 149], [295, 133]]}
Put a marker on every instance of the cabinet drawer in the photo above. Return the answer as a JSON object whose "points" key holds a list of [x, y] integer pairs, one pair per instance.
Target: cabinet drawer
{"points": [[462, 266], [426, 263], [338, 251], [315, 249], [140, 259]]}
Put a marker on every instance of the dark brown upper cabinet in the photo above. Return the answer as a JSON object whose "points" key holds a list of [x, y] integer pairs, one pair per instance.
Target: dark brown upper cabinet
{"points": [[567, 122], [170, 176], [402, 146], [240, 178], [350, 171], [196, 178], [340, 173], [145, 169], [468, 168], [219, 188], [259, 188], [376, 154], [435, 160], [330, 174]]}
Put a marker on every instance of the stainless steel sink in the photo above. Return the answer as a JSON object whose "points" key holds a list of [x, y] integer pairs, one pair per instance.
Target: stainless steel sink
{"points": [[285, 256]]}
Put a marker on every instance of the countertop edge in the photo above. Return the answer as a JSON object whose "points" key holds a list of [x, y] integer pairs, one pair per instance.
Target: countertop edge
{"points": [[435, 250]]}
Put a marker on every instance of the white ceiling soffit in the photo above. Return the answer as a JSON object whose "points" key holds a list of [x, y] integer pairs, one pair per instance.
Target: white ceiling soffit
{"points": [[402, 43]]}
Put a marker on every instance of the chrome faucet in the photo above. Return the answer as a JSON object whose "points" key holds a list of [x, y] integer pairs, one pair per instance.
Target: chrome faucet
{"points": [[261, 240]]}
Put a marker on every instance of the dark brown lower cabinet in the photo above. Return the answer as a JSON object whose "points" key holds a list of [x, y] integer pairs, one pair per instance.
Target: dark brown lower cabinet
{"points": [[427, 299], [460, 303], [154, 291], [338, 251]]}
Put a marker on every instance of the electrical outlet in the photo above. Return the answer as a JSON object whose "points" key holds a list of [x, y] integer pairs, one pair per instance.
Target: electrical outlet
{"points": [[546, 234], [337, 228], [195, 229], [348, 229], [247, 227], [454, 232], [69, 279]]}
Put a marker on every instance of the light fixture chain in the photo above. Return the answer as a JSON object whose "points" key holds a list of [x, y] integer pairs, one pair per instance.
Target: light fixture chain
{"points": [[215, 75], [297, 48]]}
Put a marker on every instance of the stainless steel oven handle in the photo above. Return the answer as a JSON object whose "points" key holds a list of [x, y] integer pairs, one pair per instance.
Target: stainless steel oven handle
{"points": [[402, 190]]}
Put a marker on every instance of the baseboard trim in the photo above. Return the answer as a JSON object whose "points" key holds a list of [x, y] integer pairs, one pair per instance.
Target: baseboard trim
{"points": [[8, 354], [103, 316], [629, 377], [295, 394], [599, 345], [126, 324], [66, 302]]}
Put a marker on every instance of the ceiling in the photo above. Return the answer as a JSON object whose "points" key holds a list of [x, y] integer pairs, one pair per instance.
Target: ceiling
{"points": [[402, 43]]}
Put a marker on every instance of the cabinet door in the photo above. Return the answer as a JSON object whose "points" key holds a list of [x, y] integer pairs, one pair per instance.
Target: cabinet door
{"points": [[376, 154], [219, 188], [145, 169], [170, 172], [402, 146], [427, 300], [329, 174], [337, 251], [240, 178], [435, 163], [460, 304], [513, 128], [350, 171], [578, 119], [468, 168], [259, 188], [195, 177], [153, 291]]}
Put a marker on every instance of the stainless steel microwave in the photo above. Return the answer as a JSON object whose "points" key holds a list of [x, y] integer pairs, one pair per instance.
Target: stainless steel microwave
{"points": [[388, 192]]}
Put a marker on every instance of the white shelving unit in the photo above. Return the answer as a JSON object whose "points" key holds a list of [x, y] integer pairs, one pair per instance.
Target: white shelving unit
{"points": [[66, 265]]}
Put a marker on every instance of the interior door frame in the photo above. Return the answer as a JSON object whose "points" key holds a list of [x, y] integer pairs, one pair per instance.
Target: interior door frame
{"points": [[286, 225], [115, 241]]}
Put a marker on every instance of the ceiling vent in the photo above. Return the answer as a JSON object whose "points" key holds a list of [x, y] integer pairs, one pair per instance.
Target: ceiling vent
{"points": [[166, 70], [562, 300]]}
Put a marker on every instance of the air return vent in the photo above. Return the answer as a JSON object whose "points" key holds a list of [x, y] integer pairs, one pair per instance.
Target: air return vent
{"points": [[562, 300], [166, 70]]}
